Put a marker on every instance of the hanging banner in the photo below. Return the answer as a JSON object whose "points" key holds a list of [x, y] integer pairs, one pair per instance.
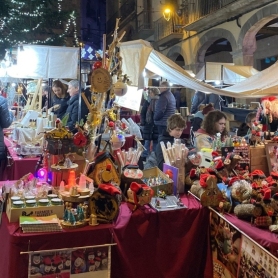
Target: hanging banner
{"points": [[226, 245], [255, 261], [71, 263]]}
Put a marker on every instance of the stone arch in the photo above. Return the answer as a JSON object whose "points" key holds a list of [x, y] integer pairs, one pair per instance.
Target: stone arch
{"points": [[247, 37], [174, 52], [206, 40]]}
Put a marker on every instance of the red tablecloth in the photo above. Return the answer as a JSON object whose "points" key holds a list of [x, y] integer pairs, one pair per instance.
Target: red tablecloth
{"points": [[165, 244], [149, 244], [263, 237], [18, 166]]}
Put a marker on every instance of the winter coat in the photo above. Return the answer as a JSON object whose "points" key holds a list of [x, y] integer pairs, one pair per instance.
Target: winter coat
{"points": [[149, 129], [197, 121], [203, 139], [72, 110], [243, 130], [5, 121], [63, 102], [165, 137], [164, 108]]}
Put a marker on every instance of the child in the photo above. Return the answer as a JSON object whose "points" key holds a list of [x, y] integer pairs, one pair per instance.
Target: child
{"points": [[175, 126]]}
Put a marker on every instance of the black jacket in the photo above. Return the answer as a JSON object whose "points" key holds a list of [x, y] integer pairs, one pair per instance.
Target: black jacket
{"points": [[63, 102], [5, 121], [242, 130], [149, 129], [72, 110], [165, 137]]}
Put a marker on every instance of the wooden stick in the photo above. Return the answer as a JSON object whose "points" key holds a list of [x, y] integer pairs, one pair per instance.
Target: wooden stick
{"points": [[86, 102], [103, 50]]}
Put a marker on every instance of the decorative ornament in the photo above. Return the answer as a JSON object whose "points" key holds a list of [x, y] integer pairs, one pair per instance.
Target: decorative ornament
{"points": [[119, 88], [101, 80], [79, 139], [97, 65]]}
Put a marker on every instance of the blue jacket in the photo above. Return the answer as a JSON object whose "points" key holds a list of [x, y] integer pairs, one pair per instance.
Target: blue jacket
{"points": [[5, 121], [72, 110], [165, 107]]}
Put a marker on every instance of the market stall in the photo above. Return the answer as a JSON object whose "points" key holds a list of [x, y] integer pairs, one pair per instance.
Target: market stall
{"points": [[143, 238], [157, 228]]}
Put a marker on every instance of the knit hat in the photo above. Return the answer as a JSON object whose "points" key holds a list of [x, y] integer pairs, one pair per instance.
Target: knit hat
{"points": [[257, 174], [233, 180], [208, 108], [274, 175], [109, 188], [203, 179], [219, 165], [267, 195]]}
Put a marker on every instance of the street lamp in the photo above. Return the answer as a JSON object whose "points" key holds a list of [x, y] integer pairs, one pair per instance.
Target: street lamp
{"points": [[167, 13]]}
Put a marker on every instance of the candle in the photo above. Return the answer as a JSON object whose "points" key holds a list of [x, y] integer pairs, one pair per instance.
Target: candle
{"points": [[71, 179], [82, 182]]}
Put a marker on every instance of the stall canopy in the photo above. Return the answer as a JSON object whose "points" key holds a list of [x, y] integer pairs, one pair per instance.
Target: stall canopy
{"points": [[227, 73], [139, 55], [38, 61]]}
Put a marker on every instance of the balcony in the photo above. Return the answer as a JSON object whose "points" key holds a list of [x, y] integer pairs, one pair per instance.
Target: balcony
{"points": [[168, 33], [145, 27], [201, 15], [126, 12]]}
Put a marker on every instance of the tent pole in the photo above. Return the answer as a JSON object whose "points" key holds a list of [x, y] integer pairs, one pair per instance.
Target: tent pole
{"points": [[80, 84]]}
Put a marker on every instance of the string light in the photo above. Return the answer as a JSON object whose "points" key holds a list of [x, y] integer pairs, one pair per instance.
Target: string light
{"points": [[18, 10]]}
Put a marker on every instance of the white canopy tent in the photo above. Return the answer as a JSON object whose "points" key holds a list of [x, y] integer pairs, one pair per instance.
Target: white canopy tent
{"points": [[227, 73], [143, 56], [39, 61]]}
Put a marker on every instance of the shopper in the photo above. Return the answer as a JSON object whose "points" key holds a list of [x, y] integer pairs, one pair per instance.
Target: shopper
{"points": [[175, 126], [198, 99], [213, 123], [164, 108], [245, 128], [149, 129], [45, 92], [199, 116], [73, 106], [59, 99], [5, 121]]}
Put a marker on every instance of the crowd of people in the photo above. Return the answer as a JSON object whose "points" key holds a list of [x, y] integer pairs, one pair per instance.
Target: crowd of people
{"points": [[160, 120], [64, 100]]}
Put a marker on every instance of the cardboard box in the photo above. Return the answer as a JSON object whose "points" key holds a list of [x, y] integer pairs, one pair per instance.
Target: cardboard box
{"points": [[13, 214], [155, 172], [258, 159]]}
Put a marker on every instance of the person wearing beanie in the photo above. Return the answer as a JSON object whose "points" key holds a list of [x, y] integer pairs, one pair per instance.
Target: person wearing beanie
{"points": [[199, 116], [213, 123], [245, 128]]}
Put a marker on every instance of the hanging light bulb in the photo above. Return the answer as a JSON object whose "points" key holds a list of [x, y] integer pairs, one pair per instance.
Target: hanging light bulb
{"points": [[167, 13]]}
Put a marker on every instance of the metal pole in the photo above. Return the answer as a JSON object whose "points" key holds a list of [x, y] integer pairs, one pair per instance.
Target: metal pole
{"points": [[80, 84]]}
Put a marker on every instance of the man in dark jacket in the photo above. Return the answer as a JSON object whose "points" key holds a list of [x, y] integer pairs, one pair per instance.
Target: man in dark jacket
{"points": [[73, 106], [164, 107], [5, 121]]}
